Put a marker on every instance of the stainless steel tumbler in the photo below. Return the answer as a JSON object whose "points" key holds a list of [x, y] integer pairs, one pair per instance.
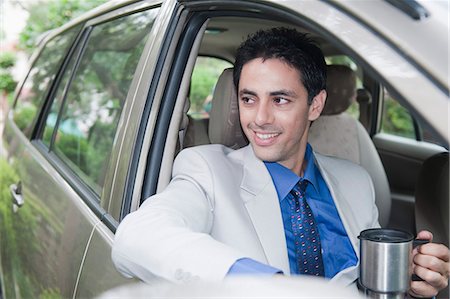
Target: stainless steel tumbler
{"points": [[385, 262]]}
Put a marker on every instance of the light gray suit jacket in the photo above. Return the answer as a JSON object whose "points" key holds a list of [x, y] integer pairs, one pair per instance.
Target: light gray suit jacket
{"points": [[221, 205]]}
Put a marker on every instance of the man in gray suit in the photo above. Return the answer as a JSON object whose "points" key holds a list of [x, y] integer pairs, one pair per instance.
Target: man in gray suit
{"points": [[271, 207]]}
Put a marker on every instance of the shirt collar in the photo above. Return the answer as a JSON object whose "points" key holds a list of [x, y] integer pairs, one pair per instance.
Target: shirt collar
{"points": [[284, 179]]}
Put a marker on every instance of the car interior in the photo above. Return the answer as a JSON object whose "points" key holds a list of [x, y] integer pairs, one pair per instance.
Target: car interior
{"points": [[346, 128], [107, 116]]}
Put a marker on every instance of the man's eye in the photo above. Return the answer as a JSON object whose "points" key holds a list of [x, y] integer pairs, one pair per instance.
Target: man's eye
{"points": [[247, 100], [281, 101]]}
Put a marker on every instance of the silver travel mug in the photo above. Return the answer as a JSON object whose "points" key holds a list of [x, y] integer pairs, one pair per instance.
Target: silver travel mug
{"points": [[386, 262]]}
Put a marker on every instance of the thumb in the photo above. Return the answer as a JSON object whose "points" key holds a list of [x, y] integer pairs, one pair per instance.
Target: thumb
{"points": [[425, 235]]}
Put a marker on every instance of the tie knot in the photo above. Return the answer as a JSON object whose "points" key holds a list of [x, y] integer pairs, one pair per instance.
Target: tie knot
{"points": [[302, 185], [299, 188]]}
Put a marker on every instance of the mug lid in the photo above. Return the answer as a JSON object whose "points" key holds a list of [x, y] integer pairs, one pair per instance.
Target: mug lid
{"points": [[386, 235]]}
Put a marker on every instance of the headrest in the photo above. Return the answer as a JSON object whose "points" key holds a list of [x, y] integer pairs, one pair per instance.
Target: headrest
{"points": [[224, 125], [341, 89]]}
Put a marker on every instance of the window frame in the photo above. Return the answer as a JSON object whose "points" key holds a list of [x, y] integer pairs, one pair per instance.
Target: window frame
{"points": [[95, 202]]}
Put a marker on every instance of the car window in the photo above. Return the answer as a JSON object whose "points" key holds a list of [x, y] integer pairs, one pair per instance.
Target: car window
{"points": [[34, 90], [90, 98], [204, 77], [398, 121]]}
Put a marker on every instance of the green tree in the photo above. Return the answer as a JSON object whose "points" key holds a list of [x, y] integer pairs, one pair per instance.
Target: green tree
{"points": [[7, 82], [207, 71], [47, 15], [396, 119]]}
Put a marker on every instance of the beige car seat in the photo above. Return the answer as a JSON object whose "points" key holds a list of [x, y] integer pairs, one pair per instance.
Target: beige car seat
{"points": [[224, 125], [338, 134]]}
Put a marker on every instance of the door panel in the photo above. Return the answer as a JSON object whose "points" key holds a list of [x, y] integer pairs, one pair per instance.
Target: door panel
{"points": [[98, 272], [43, 245]]}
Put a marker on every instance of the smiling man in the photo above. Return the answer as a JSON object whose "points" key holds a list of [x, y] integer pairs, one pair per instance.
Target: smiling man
{"points": [[271, 207]]}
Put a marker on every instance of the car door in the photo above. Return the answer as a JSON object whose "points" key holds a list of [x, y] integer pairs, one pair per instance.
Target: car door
{"points": [[63, 166], [43, 224]]}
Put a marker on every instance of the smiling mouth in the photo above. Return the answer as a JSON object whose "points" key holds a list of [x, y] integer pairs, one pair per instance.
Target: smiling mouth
{"points": [[266, 136], [265, 139]]}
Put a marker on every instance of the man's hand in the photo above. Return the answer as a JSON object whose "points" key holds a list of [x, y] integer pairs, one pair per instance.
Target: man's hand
{"points": [[431, 263]]}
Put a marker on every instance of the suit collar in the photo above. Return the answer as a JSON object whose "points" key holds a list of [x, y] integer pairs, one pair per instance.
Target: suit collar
{"points": [[261, 201]]}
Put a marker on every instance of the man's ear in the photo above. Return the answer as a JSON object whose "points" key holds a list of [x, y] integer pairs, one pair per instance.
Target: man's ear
{"points": [[316, 107]]}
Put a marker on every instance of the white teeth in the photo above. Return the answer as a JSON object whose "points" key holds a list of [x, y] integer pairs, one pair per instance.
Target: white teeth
{"points": [[265, 136]]}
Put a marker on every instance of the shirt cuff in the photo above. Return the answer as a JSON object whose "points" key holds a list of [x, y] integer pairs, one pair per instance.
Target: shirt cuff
{"points": [[248, 266]]}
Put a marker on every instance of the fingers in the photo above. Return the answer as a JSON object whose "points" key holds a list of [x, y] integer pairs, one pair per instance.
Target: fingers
{"points": [[434, 257], [431, 263], [422, 289], [438, 250], [433, 278]]}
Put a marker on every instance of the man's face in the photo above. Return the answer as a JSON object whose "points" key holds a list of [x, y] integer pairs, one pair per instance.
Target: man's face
{"points": [[274, 112]]}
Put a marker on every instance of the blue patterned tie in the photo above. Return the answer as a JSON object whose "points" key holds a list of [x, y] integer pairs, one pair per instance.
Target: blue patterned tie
{"points": [[306, 233]]}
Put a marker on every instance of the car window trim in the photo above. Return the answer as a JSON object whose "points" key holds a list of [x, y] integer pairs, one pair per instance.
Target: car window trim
{"points": [[49, 98], [78, 54], [131, 175], [123, 11]]}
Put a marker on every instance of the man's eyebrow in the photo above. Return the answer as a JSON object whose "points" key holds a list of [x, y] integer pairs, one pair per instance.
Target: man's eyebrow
{"points": [[246, 91], [283, 92]]}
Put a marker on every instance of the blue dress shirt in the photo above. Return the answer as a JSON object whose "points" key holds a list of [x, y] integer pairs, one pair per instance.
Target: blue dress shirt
{"points": [[337, 251]]}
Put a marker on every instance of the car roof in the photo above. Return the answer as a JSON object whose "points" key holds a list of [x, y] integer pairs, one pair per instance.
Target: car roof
{"points": [[423, 40]]}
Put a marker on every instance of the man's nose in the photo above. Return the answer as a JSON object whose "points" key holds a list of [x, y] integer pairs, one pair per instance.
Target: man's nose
{"points": [[264, 114]]}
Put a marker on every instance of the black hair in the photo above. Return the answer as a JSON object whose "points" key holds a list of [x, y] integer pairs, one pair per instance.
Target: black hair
{"points": [[297, 49]]}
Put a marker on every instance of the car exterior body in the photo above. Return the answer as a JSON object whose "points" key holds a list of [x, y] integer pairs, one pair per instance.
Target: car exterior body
{"points": [[95, 124]]}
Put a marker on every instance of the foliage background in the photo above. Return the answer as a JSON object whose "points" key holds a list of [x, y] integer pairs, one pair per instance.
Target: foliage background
{"points": [[47, 15], [7, 82]]}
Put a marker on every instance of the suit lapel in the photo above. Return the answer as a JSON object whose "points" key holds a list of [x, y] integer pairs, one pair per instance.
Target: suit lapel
{"points": [[262, 204]]}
